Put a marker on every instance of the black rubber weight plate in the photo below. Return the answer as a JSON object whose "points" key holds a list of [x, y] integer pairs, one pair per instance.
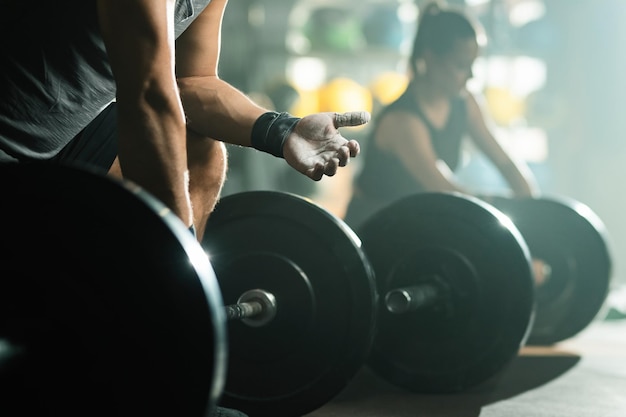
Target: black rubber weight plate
{"points": [[481, 322], [108, 306], [325, 294], [573, 241]]}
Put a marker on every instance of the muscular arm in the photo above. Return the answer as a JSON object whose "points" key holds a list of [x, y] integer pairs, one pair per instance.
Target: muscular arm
{"points": [[139, 37], [517, 174], [408, 138], [213, 107]]}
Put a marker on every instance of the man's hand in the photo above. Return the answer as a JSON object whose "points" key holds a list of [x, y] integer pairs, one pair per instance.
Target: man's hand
{"points": [[316, 147]]}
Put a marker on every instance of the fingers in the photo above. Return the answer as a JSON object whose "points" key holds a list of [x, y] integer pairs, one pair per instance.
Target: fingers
{"points": [[317, 172], [341, 159], [328, 168], [343, 156], [330, 161], [352, 118], [331, 167], [353, 147]]}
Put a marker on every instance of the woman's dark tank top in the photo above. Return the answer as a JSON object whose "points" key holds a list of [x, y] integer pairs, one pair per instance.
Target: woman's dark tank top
{"points": [[384, 176]]}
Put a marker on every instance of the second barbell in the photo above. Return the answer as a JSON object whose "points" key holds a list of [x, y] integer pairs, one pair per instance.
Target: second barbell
{"points": [[455, 305]]}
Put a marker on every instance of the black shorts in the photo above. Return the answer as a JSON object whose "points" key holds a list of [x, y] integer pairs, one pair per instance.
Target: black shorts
{"points": [[96, 145]]}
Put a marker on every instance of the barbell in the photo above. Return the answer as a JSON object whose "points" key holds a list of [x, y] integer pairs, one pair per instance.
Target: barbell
{"points": [[422, 302], [108, 305], [325, 301], [478, 265], [573, 243]]}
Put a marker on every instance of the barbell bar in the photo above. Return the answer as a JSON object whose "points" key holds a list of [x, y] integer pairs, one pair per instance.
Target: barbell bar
{"points": [[258, 307], [254, 307], [411, 298]]}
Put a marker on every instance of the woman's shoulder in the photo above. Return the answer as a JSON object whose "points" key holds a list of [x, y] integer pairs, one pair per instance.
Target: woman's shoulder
{"points": [[469, 98]]}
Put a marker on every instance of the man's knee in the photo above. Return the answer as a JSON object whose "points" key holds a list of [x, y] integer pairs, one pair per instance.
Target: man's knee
{"points": [[208, 157], [207, 160]]}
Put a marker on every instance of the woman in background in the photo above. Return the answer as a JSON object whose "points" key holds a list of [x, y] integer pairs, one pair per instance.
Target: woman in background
{"points": [[415, 142]]}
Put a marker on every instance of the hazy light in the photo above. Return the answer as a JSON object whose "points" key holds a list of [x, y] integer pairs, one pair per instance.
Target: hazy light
{"points": [[256, 16], [407, 12], [522, 75], [306, 73], [527, 143], [526, 11]]}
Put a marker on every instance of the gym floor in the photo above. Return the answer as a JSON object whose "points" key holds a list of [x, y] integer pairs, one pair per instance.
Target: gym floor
{"points": [[582, 377]]}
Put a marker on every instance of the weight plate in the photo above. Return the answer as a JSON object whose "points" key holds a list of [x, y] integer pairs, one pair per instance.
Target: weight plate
{"points": [[108, 306], [325, 295], [572, 240], [480, 264]]}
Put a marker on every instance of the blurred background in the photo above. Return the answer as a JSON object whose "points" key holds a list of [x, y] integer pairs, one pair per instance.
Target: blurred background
{"points": [[552, 77]]}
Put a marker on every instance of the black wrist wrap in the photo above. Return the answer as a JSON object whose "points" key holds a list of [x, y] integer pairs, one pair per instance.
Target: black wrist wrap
{"points": [[271, 130]]}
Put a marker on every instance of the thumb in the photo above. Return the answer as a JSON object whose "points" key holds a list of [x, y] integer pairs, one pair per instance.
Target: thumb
{"points": [[352, 118]]}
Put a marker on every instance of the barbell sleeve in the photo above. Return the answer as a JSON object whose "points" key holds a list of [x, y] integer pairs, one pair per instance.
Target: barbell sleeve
{"points": [[406, 299], [243, 310], [255, 308]]}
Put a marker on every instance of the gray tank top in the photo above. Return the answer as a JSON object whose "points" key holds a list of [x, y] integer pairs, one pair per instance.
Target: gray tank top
{"points": [[54, 74]]}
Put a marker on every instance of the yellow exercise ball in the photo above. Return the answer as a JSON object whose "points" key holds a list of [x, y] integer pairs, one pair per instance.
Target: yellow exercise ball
{"points": [[343, 94], [504, 107], [307, 103], [388, 86]]}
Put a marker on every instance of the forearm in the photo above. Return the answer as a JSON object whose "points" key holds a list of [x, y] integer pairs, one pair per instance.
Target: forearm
{"points": [[436, 177], [152, 150], [517, 174], [520, 179], [139, 39], [216, 109]]}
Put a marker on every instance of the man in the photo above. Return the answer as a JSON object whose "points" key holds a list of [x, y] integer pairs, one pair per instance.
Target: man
{"points": [[152, 66], [131, 87]]}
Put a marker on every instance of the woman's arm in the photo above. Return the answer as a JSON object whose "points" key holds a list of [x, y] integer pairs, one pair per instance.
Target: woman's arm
{"points": [[408, 138], [516, 173]]}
